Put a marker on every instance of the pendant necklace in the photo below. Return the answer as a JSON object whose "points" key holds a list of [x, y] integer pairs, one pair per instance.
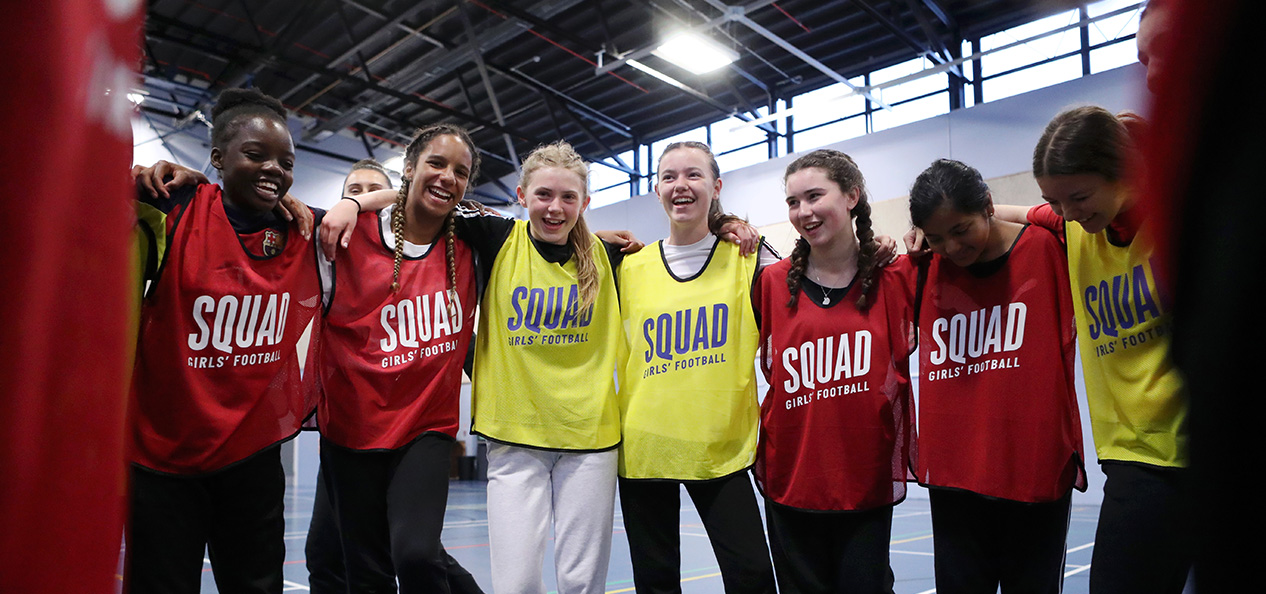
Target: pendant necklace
{"points": [[826, 291]]}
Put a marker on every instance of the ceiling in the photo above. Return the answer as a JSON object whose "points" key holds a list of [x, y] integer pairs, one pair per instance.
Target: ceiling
{"points": [[519, 73]]}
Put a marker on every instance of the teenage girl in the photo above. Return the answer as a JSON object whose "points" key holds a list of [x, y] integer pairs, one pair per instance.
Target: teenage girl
{"points": [[398, 325], [836, 425], [688, 390], [217, 384], [544, 387], [1137, 405], [999, 432]]}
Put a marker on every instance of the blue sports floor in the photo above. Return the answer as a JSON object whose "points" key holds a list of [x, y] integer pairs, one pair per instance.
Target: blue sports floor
{"points": [[466, 537]]}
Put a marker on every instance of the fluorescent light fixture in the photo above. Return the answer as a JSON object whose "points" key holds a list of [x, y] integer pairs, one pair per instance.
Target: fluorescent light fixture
{"points": [[695, 53], [657, 74], [135, 98]]}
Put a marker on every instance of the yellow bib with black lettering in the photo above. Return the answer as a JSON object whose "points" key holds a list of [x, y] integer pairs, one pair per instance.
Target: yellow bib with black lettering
{"points": [[1137, 407], [544, 372], [688, 390]]}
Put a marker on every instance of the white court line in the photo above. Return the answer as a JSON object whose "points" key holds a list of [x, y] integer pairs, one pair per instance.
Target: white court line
{"points": [[1080, 568], [1082, 547], [289, 585], [912, 514], [920, 553], [932, 591]]}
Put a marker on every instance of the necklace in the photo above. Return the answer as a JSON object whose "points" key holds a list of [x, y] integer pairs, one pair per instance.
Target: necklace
{"points": [[826, 291]]}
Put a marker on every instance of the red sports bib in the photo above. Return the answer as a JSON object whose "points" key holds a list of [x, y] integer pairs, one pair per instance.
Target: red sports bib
{"points": [[218, 369], [997, 409], [836, 423], [392, 362]]}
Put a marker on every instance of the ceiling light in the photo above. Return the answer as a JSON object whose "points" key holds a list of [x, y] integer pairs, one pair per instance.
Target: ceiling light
{"points": [[695, 53], [657, 74], [135, 98]]}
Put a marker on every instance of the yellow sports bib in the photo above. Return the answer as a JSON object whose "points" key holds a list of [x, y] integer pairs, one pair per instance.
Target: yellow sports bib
{"points": [[688, 389], [544, 372], [1137, 408]]}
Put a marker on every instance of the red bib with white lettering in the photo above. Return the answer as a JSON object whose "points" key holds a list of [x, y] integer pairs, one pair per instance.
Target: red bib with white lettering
{"points": [[219, 369], [392, 362], [997, 408], [835, 431]]}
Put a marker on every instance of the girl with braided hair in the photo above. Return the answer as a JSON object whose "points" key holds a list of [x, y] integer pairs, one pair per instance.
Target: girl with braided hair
{"points": [[397, 328], [324, 550], [217, 384], [836, 434], [1000, 446]]}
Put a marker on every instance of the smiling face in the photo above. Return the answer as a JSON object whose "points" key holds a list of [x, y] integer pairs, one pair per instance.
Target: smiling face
{"points": [[439, 177], [1089, 199], [554, 197], [686, 186], [257, 164], [819, 210], [961, 237], [361, 181]]}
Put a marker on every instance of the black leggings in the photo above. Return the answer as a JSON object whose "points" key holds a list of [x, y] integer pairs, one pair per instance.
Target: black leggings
{"points": [[324, 553], [1142, 543], [234, 514], [825, 553], [389, 506], [652, 522], [982, 543]]}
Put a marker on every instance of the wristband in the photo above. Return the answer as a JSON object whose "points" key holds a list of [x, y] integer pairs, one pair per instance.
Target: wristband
{"points": [[358, 206]]}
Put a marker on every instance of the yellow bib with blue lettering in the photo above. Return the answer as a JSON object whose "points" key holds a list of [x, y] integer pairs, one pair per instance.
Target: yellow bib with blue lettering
{"points": [[544, 372], [1137, 407], [688, 389]]}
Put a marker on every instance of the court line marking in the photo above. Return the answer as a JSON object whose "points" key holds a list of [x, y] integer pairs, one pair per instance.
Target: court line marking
{"points": [[1082, 547], [1080, 568], [903, 541]]}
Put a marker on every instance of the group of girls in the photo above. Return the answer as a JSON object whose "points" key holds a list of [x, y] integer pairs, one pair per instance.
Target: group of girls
{"points": [[566, 311], [998, 306], [388, 329]]}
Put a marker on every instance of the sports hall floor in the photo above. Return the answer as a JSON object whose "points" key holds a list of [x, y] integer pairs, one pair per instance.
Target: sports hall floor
{"points": [[466, 538]]}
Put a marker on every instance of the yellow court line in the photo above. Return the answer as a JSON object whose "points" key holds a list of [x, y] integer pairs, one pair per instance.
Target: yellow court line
{"points": [[683, 580], [910, 539]]}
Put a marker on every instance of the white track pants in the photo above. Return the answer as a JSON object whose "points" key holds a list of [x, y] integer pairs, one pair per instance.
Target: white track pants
{"points": [[531, 490]]}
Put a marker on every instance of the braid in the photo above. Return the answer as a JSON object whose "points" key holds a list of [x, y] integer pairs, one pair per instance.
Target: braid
{"points": [[866, 256], [450, 225], [799, 261], [581, 241], [397, 229]]}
